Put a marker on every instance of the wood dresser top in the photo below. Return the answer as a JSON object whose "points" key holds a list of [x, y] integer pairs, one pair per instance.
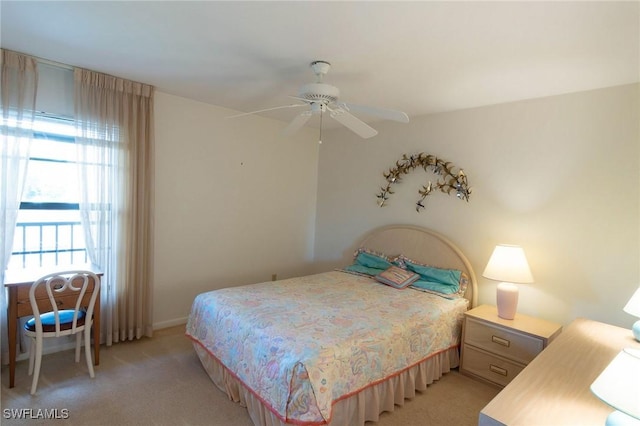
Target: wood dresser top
{"points": [[554, 389]]}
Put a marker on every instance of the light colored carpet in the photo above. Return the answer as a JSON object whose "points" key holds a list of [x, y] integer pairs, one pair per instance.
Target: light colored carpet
{"points": [[160, 381]]}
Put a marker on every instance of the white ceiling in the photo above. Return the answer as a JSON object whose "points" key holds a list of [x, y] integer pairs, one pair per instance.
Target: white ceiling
{"points": [[419, 57]]}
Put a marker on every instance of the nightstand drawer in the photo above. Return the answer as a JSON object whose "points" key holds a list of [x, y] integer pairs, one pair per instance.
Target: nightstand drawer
{"points": [[489, 366], [500, 341]]}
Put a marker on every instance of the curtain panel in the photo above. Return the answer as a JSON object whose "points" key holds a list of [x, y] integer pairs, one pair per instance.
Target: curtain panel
{"points": [[114, 123], [18, 87]]}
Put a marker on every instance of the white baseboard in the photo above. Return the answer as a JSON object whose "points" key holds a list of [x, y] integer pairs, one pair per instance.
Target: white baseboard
{"points": [[171, 323]]}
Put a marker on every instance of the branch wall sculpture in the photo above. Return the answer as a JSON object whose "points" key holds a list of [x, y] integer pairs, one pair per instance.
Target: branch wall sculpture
{"points": [[448, 180]]}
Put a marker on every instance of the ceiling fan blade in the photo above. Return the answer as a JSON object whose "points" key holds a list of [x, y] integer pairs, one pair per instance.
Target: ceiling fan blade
{"points": [[388, 114], [266, 109], [297, 123], [299, 98], [354, 124]]}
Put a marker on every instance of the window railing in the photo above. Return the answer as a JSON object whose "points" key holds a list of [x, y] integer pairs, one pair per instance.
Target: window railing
{"points": [[39, 244]]}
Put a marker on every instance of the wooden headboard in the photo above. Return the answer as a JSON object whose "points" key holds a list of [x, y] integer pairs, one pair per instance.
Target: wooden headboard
{"points": [[424, 246]]}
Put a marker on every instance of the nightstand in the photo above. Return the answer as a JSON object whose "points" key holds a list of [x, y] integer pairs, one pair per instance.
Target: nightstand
{"points": [[496, 350]]}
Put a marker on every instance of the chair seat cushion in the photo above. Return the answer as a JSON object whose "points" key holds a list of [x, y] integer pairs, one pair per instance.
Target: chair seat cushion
{"points": [[49, 321]]}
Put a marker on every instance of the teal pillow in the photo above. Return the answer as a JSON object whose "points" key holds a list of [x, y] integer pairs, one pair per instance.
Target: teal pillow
{"points": [[371, 260], [434, 286], [369, 263], [445, 281], [360, 269], [449, 277]]}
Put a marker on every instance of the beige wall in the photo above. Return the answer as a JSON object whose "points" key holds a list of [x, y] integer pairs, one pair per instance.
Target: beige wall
{"points": [[557, 175], [235, 202]]}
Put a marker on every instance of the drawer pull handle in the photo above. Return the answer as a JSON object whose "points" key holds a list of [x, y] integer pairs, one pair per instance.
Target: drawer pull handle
{"points": [[498, 370], [500, 341]]}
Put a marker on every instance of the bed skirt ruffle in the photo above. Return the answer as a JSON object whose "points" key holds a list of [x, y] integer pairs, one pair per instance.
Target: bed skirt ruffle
{"points": [[366, 405]]}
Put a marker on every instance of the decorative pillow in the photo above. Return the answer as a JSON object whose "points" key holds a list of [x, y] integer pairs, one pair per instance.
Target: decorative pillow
{"points": [[449, 282], [368, 262], [396, 277]]}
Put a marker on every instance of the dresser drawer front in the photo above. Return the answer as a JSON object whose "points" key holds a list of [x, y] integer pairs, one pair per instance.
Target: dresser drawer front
{"points": [[489, 366], [510, 344]]}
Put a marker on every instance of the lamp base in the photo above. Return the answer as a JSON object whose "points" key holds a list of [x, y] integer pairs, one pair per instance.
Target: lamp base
{"points": [[636, 330], [507, 300], [618, 418]]}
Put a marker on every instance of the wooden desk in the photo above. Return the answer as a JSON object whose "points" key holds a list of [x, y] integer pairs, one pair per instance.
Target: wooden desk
{"points": [[554, 389], [18, 284]]}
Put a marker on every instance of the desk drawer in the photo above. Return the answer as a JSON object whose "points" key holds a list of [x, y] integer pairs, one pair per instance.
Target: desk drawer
{"points": [[488, 366], [507, 343]]}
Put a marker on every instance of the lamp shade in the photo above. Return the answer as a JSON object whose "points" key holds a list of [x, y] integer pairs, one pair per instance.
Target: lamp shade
{"points": [[619, 384], [633, 305], [509, 264]]}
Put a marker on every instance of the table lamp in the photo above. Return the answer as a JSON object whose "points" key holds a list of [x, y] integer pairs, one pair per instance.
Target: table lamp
{"points": [[619, 386], [508, 264], [633, 307]]}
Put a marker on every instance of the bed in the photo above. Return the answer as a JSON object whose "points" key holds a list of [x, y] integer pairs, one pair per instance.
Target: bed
{"points": [[343, 346]]}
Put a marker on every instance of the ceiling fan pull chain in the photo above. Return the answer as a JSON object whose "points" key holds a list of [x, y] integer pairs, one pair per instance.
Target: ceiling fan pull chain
{"points": [[321, 114]]}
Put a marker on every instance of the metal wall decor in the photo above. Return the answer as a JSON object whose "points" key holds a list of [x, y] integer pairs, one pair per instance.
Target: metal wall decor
{"points": [[448, 181]]}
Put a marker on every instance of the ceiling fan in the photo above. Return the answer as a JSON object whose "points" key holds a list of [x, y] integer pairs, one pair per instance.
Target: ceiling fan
{"points": [[322, 98]]}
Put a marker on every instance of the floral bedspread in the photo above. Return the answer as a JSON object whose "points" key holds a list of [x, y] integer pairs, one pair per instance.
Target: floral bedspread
{"points": [[301, 344]]}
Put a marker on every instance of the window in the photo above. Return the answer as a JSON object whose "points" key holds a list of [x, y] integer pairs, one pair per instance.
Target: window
{"points": [[49, 230]]}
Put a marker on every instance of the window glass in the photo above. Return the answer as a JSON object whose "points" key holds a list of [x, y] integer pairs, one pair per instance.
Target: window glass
{"points": [[52, 173], [49, 230], [49, 181]]}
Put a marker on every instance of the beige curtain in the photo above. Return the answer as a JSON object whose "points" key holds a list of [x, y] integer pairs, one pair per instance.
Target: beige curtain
{"points": [[19, 83], [114, 120]]}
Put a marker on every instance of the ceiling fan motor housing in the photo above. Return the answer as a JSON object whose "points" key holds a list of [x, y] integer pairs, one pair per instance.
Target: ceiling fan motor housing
{"points": [[319, 92]]}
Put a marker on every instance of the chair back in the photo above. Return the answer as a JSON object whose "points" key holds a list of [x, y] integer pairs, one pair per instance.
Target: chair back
{"points": [[63, 291]]}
